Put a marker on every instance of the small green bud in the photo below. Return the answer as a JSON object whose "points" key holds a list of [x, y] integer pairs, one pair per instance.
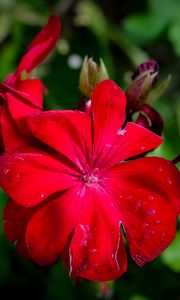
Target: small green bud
{"points": [[91, 74]]}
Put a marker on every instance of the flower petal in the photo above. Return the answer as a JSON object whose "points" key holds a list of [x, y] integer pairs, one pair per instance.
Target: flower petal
{"points": [[33, 87], [12, 139], [29, 90], [50, 228], [108, 108], [15, 219], [130, 141], [97, 249], [40, 46], [20, 109], [68, 132], [30, 177], [148, 197]]}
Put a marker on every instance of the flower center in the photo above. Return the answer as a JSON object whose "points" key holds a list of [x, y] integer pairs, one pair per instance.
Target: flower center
{"points": [[91, 177]]}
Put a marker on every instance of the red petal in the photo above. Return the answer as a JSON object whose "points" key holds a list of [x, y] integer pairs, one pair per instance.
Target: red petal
{"points": [[11, 137], [41, 46], [29, 90], [130, 141], [49, 229], [29, 178], [15, 219], [108, 108], [33, 87], [19, 110], [68, 132], [148, 197], [97, 250]]}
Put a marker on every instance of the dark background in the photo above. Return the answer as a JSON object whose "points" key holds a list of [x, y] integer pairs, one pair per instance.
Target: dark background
{"points": [[123, 33]]}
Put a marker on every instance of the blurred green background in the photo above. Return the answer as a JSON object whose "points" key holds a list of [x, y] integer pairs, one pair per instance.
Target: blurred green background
{"points": [[124, 34]]}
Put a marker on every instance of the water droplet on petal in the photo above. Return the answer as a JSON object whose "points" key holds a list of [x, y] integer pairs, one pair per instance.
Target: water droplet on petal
{"points": [[145, 225], [161, 169], [20, 158], [130, 197], [42, 195], [149, 233], [163, 237], [17, 175], [108, 145], [6, 171], [142, 148], [121, 131], [151, 212], [157, 222], [138, 205], [169, 181], [150, 197], [85, 243], [93, 250], [138, 257]]}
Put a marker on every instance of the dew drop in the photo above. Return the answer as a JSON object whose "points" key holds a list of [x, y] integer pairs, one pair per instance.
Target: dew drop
{"points": [[93, 250], [150, 197], [108, 145], [21, 158], [139, 257], [169, 181], [17, 175], [157, 222], [6, 171], [149, 233], [161, 169], [163, 237], [145, 225], [130, 197], [142, 148], [85, 243], [151, 212], [42, 195], [138, 205], [121, 131]]}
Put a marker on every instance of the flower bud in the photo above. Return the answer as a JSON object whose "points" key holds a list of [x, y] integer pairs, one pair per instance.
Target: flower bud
{"points": [[156, 122], [142, 80], [91, 74]]}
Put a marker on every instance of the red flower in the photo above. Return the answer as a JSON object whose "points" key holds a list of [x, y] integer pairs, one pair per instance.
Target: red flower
{"points": [[86, 193], [24, 97]]}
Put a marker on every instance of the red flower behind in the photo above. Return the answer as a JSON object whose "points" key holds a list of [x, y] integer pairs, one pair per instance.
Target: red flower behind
{"points": [[24, 97], [83, 193]]}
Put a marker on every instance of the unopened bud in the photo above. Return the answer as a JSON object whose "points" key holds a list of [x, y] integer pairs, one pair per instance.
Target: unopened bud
{"points": [[91, 74], [142, 80]]}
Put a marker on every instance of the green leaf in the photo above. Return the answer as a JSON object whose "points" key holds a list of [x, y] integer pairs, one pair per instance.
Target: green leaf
{"points": [[171, 256], [174, 35]]}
